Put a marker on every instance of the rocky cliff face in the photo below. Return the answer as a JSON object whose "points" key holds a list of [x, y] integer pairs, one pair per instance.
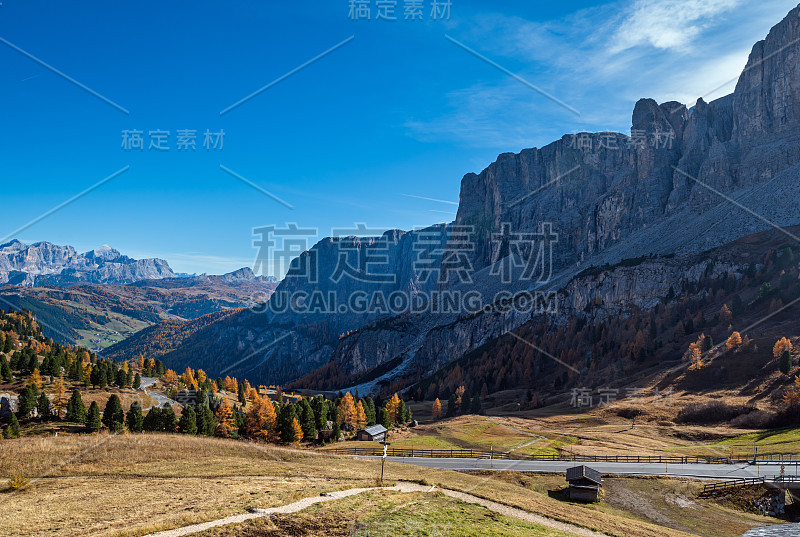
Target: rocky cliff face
{"points": [[663, 189], [44, 263]]}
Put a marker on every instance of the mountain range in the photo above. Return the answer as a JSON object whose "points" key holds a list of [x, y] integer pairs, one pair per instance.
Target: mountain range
{"points": [[101, 297], [682, 183]]}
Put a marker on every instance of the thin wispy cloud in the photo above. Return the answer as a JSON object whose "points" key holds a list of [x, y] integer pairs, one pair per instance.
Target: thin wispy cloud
{"points": [[667, 24]]}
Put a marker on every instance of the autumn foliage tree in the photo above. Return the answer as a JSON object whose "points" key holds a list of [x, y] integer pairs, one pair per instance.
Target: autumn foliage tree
{"points": [[783, 344], [225, 424], [346, 411], [393, 409], [734, 341], [260, 420], [436, 410], [297, 431]]}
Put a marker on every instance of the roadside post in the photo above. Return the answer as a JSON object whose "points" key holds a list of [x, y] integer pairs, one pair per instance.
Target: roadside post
{"points": [[385, 451]]}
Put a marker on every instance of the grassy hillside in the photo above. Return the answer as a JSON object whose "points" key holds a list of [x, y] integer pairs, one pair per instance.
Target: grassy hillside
{"points": [[190, 479]]}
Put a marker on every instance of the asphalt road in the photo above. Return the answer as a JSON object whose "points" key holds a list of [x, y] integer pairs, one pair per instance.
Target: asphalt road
{"points": [[160, 398], [701, 471]]}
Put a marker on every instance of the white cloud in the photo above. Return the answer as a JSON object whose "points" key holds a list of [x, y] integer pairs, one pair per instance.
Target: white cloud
{"points": [[667, 24]]}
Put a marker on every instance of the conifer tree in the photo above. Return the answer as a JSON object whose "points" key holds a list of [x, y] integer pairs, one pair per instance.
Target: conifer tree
{"points": [[436, 409], [134, 419], [226, 425], [383, 417], [76, 410], [12, 430], [113, 415], [137, 381], [308, 424], [5, 369], [26, 401], [361, 417], [786, 362], [260, 420], [43, 407], [188, 422], [297, 431], [476, 405], [93, 422], [169, 423], [60, 397], [393, 409], [286, 423], [205, 420], [346, 411]]}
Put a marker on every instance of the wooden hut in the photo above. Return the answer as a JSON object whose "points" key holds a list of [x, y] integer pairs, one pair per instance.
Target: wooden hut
{"points": [[584, 484], [376, 433]]}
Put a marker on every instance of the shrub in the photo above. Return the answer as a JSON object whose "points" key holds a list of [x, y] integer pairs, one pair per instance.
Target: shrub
{"points": [[19, 482], [758, 419], [629, 412], [712, 412]]}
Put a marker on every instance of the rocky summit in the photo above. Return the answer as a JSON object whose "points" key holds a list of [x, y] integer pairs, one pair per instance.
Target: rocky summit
{"points": [[44, 263]]}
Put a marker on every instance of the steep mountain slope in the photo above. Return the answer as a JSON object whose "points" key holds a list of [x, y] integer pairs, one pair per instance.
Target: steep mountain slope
{"points": [[683, 182]]}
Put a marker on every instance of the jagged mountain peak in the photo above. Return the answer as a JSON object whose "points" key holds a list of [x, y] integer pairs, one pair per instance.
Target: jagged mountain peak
{"points": [[45, 263]]}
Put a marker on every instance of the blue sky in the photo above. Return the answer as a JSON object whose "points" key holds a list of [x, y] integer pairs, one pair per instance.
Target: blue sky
{"points": [[398, 111]]}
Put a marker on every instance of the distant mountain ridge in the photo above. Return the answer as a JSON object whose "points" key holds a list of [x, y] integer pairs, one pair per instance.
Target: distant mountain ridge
{"points": [[44, 263]]}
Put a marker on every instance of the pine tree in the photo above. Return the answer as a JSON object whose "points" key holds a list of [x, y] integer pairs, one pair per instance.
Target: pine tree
{"points": [[452, 405], [5, 370], [205, 420], [76, 410], [12, 431], [476, 405], [226, 426], [43, 407], [286, 421], [93, 422], [169, 423], [113, 415], [436, 409], [137, 381], [786, 362], [26, 401], [320, 406], [383, 417], [308, 420], [134, 419], [188, 422]]}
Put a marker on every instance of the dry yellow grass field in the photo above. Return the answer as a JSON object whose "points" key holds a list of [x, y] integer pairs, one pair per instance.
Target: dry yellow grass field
{"points": [[135, 484]]}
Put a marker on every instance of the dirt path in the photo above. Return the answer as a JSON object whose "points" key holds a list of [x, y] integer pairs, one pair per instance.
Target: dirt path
{"points": [[402, 487]]}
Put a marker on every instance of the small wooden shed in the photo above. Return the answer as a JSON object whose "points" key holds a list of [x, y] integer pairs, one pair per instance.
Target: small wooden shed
{"points": [[584, 484], [376, 433]]}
